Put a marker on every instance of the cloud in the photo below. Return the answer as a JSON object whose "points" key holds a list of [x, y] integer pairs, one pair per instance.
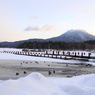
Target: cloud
{"points": [[41, 28], [34, 17]]}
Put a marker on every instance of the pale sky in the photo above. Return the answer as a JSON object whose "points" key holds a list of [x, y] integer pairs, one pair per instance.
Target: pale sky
{"points": [[27, 19]]}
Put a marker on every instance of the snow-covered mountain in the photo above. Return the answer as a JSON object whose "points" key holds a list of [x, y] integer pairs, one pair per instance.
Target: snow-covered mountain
{"points": [[74, 36], [69, 36]]}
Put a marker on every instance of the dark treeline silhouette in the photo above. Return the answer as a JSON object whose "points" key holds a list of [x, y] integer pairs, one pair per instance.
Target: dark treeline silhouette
{"points": [[91, 42], [4, 46], [89, 45]]}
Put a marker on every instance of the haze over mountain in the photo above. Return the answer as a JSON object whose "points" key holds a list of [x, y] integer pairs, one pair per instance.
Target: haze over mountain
{"points": [[69, 36]]}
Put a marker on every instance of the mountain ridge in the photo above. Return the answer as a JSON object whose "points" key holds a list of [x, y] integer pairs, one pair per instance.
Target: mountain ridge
{"points": [[72, 35]]}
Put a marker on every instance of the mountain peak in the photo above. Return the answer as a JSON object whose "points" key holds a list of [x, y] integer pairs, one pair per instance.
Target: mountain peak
{"points": [[76, 35], [75, 31]]}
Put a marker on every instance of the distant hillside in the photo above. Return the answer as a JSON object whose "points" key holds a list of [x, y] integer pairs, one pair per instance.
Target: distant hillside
{"points": [[14, 44], [69, 36]]}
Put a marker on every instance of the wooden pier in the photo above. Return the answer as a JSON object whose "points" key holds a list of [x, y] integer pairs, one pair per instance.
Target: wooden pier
{"points": [[54, 54]]}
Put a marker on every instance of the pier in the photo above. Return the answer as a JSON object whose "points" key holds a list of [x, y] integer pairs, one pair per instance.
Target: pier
{"points": [[55, 54]]}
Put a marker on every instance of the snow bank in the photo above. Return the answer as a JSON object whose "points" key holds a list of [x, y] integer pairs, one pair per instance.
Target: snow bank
{"points": [[37, 84], [33, 84], [80, 85]]}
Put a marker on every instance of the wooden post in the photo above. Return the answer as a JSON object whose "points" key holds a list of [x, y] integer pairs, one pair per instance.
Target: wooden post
{"points": [[69, 53], [63, 52], [46, 52], [81, 54], [75, 53], [58, 52], [89, 54], [72, 52], [53, 52]]}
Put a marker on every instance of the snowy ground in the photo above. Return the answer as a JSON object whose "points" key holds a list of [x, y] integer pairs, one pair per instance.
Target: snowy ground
{"points": [[37, 84]]}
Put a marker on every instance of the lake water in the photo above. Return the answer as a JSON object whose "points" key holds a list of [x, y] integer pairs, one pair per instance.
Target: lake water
{"points": [[15, 69]]}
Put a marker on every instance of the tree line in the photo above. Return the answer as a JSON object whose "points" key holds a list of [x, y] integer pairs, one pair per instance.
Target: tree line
{"points": [[59, 45]]}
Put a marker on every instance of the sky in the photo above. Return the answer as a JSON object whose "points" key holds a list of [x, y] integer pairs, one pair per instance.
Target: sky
{"points": [[27, 19]]}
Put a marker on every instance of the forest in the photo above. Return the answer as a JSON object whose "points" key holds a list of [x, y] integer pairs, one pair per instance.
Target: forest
{"points": [[87, 45]]}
